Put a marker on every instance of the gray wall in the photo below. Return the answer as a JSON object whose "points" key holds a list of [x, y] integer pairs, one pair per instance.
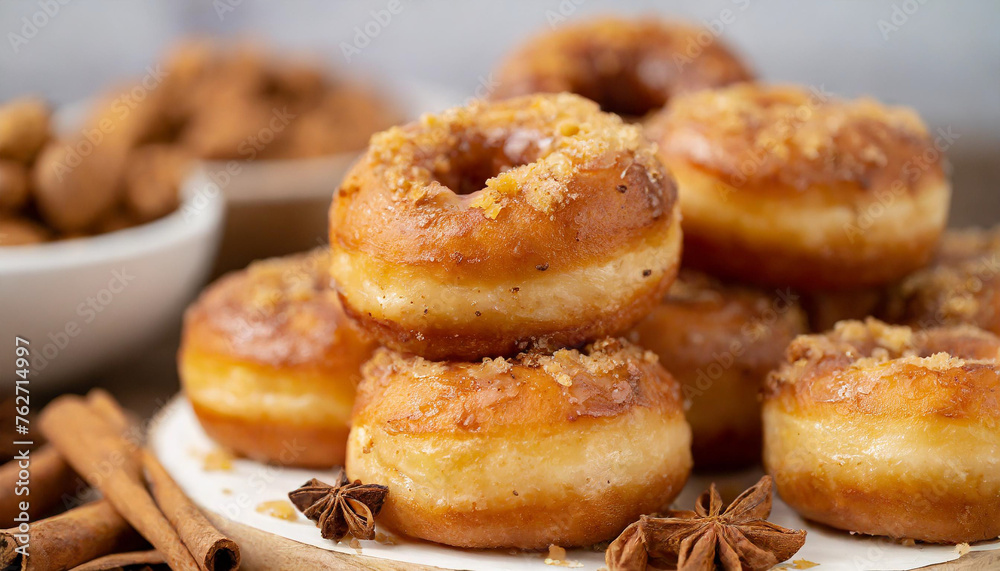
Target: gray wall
{"points": [[943, 58]]}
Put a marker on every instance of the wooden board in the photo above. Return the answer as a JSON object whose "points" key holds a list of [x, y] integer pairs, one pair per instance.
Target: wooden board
{"points": [[262, 551]]}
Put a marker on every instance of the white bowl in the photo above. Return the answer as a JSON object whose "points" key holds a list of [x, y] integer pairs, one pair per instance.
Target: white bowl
{"points": [[85, 303], [60, 296], [279, 206]]}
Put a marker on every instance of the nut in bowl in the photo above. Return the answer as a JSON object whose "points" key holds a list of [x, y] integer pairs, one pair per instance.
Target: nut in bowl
{"points": [[96, 299]]}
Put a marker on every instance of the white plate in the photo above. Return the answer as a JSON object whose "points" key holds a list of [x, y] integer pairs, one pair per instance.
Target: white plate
{"points": [[179, 442]]}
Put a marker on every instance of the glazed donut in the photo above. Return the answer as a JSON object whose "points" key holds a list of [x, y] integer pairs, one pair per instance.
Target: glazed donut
{"points": [[784, 186], [629, 67], [962, 284], [270, 362], [492, 228], [881, 430], [720, 341], [565, 448]]}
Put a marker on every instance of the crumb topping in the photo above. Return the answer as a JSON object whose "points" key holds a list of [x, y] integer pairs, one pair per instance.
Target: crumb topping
{"points": [[605, 379], [279, 310], [958, 287], [597, 359], [797, 137], [857, 358], [537, 144], [279, 284]]}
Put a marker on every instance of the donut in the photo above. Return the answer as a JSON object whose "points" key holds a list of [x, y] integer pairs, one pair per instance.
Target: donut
{"points": [[629, 67], [882, 430], [826, 308], [565, 448], [270, 362], [962, 284], [720, 341], [787, 186], [490, 229]]}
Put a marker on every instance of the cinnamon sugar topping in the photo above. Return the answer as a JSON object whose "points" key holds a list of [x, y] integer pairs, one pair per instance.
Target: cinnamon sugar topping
{"points": [[797, 137], [535, 145]]}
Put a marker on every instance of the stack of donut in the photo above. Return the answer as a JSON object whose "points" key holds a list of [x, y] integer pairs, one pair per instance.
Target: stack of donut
{"points": [[519, 263], [493, 249], [790, 194]]}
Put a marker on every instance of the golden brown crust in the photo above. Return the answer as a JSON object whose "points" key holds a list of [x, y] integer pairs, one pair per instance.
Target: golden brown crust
{"points": [[877, 369], [467, 448], [842, 267], [533, 389], [962, 284], [553, 167], [788, 139], [919, 510], [630, 67], [781, 186], [274, 441], [720, 341], [270, 362], [568, 205], [882, 430], [447, 340], [551, 521], [278, 312]]}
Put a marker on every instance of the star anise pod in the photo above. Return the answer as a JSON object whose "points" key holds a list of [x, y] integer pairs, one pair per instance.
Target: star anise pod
{"points": [[737, 538], [341, 508]]}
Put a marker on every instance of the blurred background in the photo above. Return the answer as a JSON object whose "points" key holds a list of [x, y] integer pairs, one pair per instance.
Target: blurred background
{"points": [[941, 58]]}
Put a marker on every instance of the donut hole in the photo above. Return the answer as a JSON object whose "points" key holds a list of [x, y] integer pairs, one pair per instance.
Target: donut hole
{"points": [[619, 84], [466, 169], [625, 96]]}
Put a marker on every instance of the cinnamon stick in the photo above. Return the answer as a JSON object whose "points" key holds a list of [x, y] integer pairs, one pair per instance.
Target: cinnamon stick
{"points": [[212, 550], [51, 478], [69, 539], [107, 461], [131, 560], [105, 405]]}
